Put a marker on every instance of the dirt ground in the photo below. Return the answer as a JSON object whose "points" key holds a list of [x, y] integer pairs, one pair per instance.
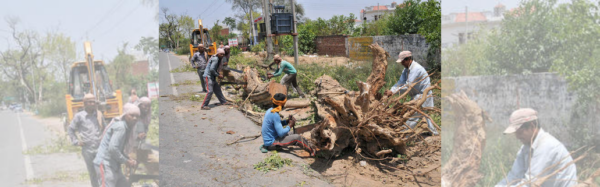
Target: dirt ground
{"points": [[423, 168]]}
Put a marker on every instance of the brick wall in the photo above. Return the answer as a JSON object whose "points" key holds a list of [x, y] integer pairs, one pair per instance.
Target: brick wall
{"points": [[331, 45], [140, 68]]}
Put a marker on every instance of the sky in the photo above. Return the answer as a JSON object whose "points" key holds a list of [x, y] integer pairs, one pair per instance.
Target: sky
{"points": [[212, 10], [107, 24], [458, 6]]}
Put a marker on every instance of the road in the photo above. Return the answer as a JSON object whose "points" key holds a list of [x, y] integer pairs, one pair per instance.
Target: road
{"points": [[21, 132], [193, 142]]}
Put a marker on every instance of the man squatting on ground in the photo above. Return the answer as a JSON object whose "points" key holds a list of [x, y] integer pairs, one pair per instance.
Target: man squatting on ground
{"points": [[540, 155], [210, 76], [273, 133], [111, 153], [89, 124], [413, 72], [199, 61]]}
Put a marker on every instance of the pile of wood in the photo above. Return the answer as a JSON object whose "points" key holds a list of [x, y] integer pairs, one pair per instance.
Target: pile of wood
{"points": [[372, 124]]}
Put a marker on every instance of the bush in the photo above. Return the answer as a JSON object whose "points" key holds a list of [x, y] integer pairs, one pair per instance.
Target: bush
{"points": [[54, 107], [235, 51], [258, 48], [183, 50]]}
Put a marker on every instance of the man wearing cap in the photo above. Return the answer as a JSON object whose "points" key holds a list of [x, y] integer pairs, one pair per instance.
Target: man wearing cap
{"points": [[210, 76], [540, 156], [89, 124], [273, 133], [413, 72], [111, 153], [199, 61], [290, 73]]}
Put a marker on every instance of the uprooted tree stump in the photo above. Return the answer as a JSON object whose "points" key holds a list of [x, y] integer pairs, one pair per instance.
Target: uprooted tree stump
{"points": [[260, 93], [462, 169], [364, 120]]}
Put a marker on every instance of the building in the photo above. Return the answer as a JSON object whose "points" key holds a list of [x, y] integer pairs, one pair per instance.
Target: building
{"points": [[455, 25], [373, 13]]}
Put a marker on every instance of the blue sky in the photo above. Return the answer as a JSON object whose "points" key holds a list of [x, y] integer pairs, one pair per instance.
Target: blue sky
{"points": [[106, 23]]}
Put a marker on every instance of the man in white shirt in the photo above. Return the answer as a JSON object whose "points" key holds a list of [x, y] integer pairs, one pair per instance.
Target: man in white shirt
{"points": [[540, 156], [413, 72]]}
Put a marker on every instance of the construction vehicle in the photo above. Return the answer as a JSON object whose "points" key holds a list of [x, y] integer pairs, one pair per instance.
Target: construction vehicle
{"points": [[90, 76], [202, 36]]}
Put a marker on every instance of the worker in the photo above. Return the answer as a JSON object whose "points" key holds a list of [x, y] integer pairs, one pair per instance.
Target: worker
{"points": [[413, 73], [111, 153], [540, 156], [141, 128], [199, 61], [273, 133], [210, 76], [290, 74], [132, 96], [89, 124]]}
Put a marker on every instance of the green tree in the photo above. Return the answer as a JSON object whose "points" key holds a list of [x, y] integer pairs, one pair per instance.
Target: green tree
{"points": [[407, 19], [149, 45], [229, 21], [60, 51]]}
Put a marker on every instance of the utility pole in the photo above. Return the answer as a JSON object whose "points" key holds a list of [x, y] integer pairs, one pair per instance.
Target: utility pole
{"points": [[295, 33], [252, 22], [467, 23], [267, 18]]}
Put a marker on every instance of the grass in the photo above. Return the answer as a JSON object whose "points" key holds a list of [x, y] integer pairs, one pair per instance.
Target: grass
{"points": [[186, 67], [56, 145], [61, 176], [272, 163]]}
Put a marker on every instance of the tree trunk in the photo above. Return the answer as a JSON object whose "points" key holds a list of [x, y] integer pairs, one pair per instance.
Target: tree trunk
{"points": [[462, 169], [260, 93]]}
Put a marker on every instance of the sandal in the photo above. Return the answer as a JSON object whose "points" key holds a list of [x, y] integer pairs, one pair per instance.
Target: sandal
{"points": [[205, 108], [263, 149]]}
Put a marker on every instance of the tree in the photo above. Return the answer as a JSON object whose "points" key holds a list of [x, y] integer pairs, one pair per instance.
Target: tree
{"points": [[186, 25], [407, 18], [247, 7], [60, 51], [170, 28], [149, 45], [21, 64], [229, 21]]}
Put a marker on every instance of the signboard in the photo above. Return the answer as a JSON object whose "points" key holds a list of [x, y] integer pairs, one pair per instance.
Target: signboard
{"points": [[153, 90], [233, 42], [258, 19]]}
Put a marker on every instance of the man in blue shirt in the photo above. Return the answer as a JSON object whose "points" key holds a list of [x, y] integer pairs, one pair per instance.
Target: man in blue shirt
{"points": [[273, 133], [413, 73], [111, 153], [210, 76]]}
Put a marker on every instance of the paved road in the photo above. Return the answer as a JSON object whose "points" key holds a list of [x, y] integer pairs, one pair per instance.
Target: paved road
{"points": [[193, 150], [20, 131]]}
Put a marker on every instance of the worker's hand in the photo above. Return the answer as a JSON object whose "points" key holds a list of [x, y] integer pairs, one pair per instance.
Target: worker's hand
{"points": [[292, 123], [225, 64], [269, 76], [388, 93], [220, 76], [141, 135], [131, 162]]}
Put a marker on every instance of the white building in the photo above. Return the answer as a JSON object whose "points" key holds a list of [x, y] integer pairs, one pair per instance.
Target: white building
{"points": [[455, 25], [373, 13]]}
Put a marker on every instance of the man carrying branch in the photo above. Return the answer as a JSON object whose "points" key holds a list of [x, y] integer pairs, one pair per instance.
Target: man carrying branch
{"points": [[413, 73]]}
